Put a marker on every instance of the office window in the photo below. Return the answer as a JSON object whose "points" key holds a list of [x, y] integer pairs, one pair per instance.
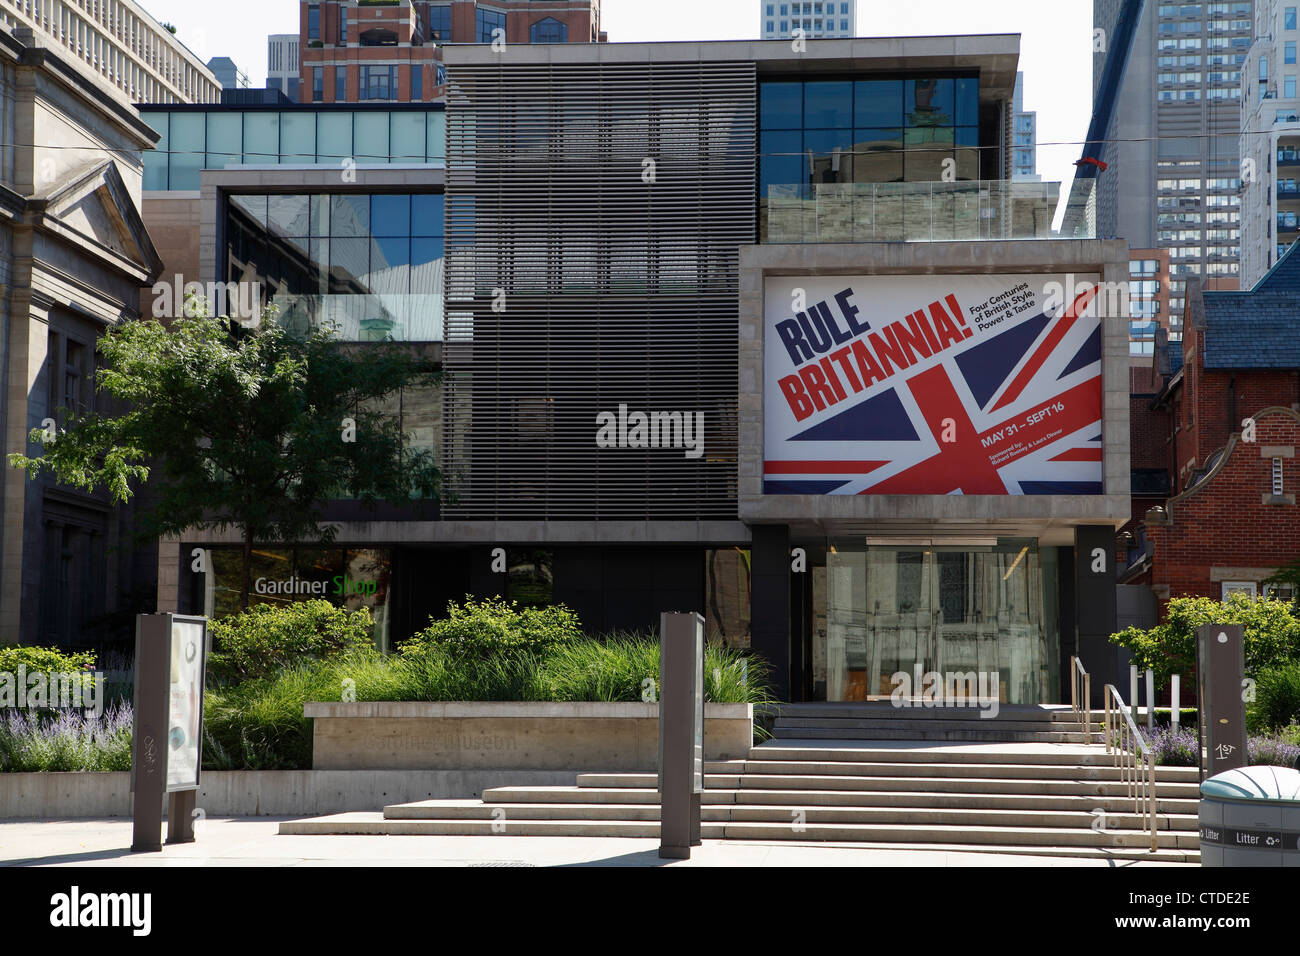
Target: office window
{"points": [[1288, 52], [343, 23], [550, 30], [785, 26], [317, 84], [440, 23], [378, 83], [1288, 87], [770, 11], [1263, 69], [340, 84], [488, 21], [1288, 18], [313, 22]]}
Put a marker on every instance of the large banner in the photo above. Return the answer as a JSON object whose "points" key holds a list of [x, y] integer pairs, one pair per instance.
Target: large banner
{"points": [[940, 384]]}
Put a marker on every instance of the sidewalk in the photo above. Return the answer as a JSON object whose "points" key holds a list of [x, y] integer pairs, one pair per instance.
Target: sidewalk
{"points": [[253, 841]]}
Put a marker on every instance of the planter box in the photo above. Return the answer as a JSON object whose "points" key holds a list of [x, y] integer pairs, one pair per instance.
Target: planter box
{"points": [[572, 737]]}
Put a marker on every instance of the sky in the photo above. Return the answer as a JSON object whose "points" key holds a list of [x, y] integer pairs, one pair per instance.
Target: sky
{"points": [[1055, 46]]}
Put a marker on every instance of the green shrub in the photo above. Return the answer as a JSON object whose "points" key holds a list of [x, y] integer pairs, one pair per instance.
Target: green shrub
{"points": [[265, 638], [46, 660], [1277, 698], [491, 628], [1272, 634], [259, 724]]}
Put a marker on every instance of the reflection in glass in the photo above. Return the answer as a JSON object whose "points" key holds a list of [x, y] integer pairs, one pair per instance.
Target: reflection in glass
{"points": [[367, 287], [959, 612], [878, 103], [828, 105], [350, 215], [781, 106]]}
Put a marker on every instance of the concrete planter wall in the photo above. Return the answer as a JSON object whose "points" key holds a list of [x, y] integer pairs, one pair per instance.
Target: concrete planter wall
{"points": [[509, 736], [250, 793]]}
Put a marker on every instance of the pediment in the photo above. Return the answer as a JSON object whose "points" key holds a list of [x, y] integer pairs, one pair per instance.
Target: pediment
{"points": [[95, 205]]}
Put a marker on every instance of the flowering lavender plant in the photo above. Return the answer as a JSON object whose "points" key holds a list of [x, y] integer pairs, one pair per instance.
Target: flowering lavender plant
{"points": [[1273, 751], [68, 740]]}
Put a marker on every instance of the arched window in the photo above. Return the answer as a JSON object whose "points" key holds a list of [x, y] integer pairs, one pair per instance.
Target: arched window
{"points": [[549, 30]]}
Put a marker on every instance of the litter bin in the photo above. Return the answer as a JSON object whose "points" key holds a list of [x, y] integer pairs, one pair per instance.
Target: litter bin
{"points": [[1251, 817]]}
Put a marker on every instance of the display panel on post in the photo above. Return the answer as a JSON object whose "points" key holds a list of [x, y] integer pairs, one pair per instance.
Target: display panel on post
{"points": [[170, 662], [1221, 705]]}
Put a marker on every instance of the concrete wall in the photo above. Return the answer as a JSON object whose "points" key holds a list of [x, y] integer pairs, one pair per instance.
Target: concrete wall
{"points": [[500, 736], [251, 793]]}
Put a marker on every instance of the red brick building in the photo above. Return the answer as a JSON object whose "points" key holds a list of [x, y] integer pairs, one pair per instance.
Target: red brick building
{"points": [[1220, 413], [354, 52]]}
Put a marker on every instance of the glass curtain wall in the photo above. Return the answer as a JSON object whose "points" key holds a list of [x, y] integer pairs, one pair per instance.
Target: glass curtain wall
{"points": [[960, 612], [836, 155], [370, 266]]}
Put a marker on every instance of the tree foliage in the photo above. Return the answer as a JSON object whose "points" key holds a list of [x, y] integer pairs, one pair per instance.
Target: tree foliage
{"points": [[242, 427], [1271, 630]]}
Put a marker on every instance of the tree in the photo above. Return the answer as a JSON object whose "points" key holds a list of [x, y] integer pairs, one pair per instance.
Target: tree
{"points": [[1270, 629], [253, 428]]}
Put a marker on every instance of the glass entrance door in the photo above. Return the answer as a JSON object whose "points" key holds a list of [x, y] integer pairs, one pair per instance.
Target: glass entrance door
{"points": [[973, 616]]}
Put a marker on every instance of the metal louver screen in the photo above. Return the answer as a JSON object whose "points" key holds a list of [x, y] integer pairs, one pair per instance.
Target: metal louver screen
{"points": [[594, 215]]}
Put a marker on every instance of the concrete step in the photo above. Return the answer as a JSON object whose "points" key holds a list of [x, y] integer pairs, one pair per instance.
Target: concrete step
{"points": [[914, 799], [869, 751], [889, 833], [907, 721], [980, 734], [792, 814], [1031, 770], [870, 709], [931, 780]]}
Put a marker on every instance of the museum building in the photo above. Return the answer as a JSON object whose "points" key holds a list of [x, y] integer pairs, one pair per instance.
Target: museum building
{"points": [[728, 327]]}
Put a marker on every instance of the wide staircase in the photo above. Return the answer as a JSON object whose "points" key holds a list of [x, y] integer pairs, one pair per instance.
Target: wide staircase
{"points": [[1023, 782]]}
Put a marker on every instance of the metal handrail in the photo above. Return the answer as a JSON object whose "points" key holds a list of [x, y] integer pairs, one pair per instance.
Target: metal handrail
{"points": [[1135, 758], [1081, 697]]}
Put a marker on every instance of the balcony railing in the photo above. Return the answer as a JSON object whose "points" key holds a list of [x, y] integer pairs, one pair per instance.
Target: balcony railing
{"points": [[910, 212]]}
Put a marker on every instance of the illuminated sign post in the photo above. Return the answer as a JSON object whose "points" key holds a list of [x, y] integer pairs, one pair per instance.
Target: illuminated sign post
{"points": [[681, 733], [170, 660]]}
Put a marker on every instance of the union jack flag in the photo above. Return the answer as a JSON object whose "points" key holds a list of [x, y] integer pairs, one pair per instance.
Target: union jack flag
{"points": [[1013, 411]]}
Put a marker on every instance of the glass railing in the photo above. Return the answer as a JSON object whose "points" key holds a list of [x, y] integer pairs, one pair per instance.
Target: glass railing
{"points": [[911, 212], [365, 318]]}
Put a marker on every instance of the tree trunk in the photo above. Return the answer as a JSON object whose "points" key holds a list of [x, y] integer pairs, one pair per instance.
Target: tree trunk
{"points": [[247, 568]]}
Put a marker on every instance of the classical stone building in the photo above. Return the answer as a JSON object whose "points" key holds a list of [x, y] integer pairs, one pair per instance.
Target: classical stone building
{"points": [[74, 255]]}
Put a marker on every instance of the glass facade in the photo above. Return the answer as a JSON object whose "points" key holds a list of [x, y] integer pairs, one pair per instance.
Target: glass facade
{"points": [[354, 578], [368, 265], [194, 140], [984, 618], [868, 131]]}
